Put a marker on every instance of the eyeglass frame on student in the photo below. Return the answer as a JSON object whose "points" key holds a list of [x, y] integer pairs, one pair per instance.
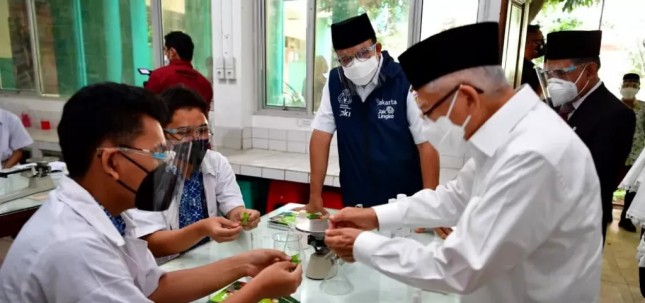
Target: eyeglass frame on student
{"points": [[172, 133], [443, 99], [161, 156], [361, 55]]}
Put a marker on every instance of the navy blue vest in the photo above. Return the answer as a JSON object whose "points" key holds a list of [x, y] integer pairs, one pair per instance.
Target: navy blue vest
{"points": [[378, 157]]}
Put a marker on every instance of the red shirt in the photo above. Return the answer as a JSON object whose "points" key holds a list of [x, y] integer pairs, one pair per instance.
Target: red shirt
{"points": [[180, 72]]}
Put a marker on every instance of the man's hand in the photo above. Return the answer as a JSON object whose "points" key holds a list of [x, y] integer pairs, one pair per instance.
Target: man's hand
{"points": [[278, 280], [315, 205], [341, 241], [259, 259], [220, 229], [360, 218], [443, 232], [247, 218]]}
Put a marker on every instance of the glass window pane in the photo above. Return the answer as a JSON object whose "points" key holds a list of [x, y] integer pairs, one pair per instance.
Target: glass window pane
{"points": [[16, 57], [286, 52], [390, 21], [85, 42], [439, 15], [194, 18]]}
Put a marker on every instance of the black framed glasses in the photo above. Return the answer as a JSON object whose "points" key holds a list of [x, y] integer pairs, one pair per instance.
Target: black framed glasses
{"points": [[361, 55], [444, 98]]}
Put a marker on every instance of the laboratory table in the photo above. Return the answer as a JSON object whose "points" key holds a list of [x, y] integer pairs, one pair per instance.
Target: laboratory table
{"points": [[370, 286], [15, 213]]}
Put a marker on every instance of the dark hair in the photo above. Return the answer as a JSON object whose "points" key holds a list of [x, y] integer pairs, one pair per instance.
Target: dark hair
{"points": [[180, 97], [99, 112], [533, 28], [182, 43], [579, 61]]}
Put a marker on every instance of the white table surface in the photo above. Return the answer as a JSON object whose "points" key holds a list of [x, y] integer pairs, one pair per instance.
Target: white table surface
{"points": [[15, 183], [370, 286]]}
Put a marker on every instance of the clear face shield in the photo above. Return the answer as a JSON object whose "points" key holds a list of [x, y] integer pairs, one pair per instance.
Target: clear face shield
{"points": [[199, 139], [558, 86], [164, 183]]}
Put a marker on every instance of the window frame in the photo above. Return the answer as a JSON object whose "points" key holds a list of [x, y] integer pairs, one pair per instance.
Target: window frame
{"points": [[414, 34], [37, 93]]}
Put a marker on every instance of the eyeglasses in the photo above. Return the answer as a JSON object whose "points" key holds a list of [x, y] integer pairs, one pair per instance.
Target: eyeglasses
{"points": [[361, 55], [444, 98], [184, 133], [560, 72], [161, 153]]}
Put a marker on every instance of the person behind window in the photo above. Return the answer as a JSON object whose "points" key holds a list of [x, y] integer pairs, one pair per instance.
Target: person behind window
{"points": [[210, 191], [13, 138], [69, 251], [526, 205], [367, 101], [178, 50], [630, 87], [603, 123], [533, 49]]}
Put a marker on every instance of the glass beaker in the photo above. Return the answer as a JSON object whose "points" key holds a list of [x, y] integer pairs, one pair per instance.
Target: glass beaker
{"points": [[291, 244]]}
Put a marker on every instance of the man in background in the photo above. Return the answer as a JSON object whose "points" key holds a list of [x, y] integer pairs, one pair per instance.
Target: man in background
{"points": [[533, 49], [630, 87], [178, 50], [603, 123], [13, 138]]}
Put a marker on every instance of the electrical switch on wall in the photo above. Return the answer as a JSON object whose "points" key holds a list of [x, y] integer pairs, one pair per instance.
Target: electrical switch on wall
{"points": [[220, 69], [229, 64]]}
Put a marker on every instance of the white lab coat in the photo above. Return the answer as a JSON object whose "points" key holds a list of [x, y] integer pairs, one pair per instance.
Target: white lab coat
{"points": [[527, 210], [223, 194], [69, 251], [13, 135]]}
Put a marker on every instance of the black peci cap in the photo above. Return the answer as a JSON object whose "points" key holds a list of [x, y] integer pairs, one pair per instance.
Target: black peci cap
{"points": [[352, 32], [573, 45], [632, 77]]}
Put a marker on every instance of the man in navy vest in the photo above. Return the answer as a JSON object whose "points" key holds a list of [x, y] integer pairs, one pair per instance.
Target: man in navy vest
{"points": [[367, 101]]}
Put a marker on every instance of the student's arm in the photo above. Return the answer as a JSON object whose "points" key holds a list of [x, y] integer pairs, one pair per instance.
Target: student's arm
{"points": [[13, 160], [272, 279], [169, 242]]}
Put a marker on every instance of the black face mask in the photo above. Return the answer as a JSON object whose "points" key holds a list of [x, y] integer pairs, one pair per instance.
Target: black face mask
{"points": [[157, 189], [197, 153]]}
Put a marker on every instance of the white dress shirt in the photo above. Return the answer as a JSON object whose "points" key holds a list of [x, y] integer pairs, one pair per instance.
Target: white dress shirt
{"points": [[13, 135], [324, 119], [577, 103], [527, 210], [69, 251], [223, 194]]}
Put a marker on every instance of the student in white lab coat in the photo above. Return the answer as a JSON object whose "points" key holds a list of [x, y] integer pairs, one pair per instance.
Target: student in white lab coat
{"points": [[69, 251], [13, 138], [211, 204], [526, 206]]}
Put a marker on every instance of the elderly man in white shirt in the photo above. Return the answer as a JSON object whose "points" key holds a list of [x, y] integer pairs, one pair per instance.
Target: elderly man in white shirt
{"points": [[69, 251], [13, 138], [525, 206]]}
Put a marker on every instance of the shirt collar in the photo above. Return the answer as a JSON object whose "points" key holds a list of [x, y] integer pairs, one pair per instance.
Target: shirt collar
{"points": [[208, 164], [577, 103], [77, 198], [494, 132]]}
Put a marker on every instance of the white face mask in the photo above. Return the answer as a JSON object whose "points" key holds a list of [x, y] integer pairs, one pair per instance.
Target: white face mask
{"points": [[563, 91], [453, 141], [629, 93], [361, 73]]}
